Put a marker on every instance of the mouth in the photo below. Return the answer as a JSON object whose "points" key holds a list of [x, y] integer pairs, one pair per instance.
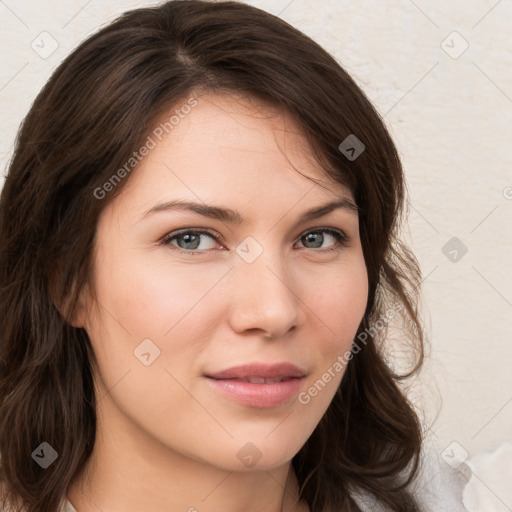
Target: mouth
{"points": [[267, 372], [258, 392], [259, 386]]}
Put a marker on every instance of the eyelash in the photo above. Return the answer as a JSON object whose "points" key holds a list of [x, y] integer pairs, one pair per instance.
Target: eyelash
{"points": [[341, 238]]}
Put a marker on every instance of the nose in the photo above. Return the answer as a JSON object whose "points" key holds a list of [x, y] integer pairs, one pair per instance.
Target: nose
{"points": [[264, 297]]}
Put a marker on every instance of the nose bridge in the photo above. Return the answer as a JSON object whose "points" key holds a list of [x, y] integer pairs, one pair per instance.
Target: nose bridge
{"points": [[265, 297]]}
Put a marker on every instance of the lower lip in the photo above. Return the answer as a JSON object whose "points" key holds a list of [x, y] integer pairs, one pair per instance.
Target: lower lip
{"points": [[261, 396]]}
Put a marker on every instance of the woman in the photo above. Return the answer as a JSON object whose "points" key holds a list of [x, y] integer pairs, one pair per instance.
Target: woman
{"points": [[198, 266]]}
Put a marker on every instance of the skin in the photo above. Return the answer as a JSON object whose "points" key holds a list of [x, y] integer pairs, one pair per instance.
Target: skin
{"points": [[166, 441]]}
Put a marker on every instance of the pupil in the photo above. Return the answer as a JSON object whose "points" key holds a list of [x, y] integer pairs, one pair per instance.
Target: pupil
{"points": [[187, 239], [316, 238]]}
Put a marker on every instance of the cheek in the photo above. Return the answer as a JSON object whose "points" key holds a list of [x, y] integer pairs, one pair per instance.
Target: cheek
{"points": [[339, 300], [151, 295], [162, 303], [336, 310]]}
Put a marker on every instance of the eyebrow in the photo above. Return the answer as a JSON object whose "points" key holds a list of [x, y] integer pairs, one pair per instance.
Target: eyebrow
{"points": [[233, 217]]}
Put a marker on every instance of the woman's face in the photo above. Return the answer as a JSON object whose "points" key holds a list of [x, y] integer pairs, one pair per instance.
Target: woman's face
{"points": [[278, 295]]}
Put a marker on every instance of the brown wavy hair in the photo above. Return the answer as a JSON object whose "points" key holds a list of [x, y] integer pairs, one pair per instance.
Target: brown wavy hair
{"points": [[94, 112]]}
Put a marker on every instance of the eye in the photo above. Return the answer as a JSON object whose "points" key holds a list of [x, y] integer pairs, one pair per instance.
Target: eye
{"points": [[315, 239], [189, 241]]}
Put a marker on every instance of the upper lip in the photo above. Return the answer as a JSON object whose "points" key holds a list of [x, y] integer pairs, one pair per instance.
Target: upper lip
{"points": [[265, 371]]}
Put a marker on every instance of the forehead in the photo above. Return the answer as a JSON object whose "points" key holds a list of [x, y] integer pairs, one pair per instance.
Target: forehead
{"points": [[232, 149]]}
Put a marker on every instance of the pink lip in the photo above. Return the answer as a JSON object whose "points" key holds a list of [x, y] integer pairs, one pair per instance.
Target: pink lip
{"points": [[233, 383], [261, 396]]}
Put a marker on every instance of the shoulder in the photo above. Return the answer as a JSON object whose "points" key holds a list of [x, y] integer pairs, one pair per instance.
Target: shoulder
{"points": [[438, 486], [441, 480], [9, 507], [489, 487], [67, 507]]}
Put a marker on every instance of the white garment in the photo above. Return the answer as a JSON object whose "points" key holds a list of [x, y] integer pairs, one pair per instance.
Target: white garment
{"points": [[438, 487], [489, 488], [67, 507]]}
